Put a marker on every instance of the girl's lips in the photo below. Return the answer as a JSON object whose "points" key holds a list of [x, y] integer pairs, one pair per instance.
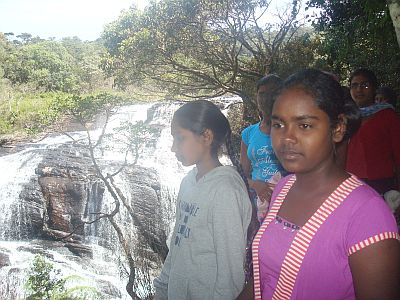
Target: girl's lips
{"points": [[289, 155]]}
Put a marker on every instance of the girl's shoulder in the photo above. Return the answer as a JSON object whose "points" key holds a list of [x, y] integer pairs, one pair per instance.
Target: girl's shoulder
{"points": [[367, 218], [250, 130]]}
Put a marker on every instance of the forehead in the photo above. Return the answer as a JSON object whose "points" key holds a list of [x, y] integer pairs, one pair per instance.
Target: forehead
{"points": [[359, 78], [295, 102], [175, 127]]}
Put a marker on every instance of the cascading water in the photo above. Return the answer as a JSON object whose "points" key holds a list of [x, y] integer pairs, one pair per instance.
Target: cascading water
{"points": [[101, 270]]}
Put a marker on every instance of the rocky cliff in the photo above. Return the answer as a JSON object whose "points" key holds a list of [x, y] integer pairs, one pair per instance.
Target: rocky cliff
{"points": [[58, 207]]}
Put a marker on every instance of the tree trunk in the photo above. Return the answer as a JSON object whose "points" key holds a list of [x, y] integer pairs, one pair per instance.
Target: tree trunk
{"points": [[394, 9]]}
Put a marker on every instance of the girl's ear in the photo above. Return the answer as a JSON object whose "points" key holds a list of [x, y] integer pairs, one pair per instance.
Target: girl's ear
{"points": [[208, 137], [340, 129]]}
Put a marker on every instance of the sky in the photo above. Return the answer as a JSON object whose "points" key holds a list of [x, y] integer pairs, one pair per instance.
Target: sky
{"points": [[61, 18], [65, 18]]}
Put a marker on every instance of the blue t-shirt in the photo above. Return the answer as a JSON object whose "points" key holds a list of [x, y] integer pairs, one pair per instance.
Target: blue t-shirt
{"points": [[264, 162]]}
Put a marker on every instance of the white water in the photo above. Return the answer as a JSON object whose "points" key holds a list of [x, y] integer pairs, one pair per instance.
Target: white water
{"points": [[19, 168]]}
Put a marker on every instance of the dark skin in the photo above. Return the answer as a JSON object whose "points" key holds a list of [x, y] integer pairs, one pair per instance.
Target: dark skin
{"points": [[305, 144]]}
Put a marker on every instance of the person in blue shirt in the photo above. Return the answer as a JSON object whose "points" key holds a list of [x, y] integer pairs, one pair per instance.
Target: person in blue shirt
{"points": [[257, 157]]}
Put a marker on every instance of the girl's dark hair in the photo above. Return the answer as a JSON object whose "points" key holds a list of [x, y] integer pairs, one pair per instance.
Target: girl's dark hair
{"points": [[370, 75], [328, 95], [269, 79], [266, 99], [199, 115]]}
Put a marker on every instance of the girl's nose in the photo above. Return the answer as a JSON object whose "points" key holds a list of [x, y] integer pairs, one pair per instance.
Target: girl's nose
{"points": [[290, 135], [173, 147]]}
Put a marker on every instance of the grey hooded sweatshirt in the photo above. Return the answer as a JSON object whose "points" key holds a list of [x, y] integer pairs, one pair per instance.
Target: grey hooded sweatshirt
{"points": [[207, 251]]}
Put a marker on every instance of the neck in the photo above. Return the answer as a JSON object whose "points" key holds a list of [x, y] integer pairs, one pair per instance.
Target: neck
{"points": [[324, 179], [206, 166]]}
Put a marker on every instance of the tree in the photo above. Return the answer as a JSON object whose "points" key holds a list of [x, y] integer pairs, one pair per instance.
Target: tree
{"points": [[358, 34], [394, 9], [43, 280], [44, 283], [46, 64], [84, 109], [87, 58], [198, 48]]}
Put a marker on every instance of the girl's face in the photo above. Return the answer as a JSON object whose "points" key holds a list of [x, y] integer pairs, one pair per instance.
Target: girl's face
{"points": [[188, 147], [301, 133], [362, 91]]}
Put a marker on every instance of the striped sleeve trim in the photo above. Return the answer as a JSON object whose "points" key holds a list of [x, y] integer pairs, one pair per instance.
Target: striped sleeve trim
{"points": [[372, 240]]}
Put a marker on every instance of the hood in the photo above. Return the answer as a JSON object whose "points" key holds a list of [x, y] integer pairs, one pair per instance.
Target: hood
{"points": [[215, 174]]}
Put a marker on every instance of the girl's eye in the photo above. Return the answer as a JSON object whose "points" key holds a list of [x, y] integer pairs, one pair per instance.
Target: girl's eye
{"points": [[178, 139], [305, 126], [276, 125]]}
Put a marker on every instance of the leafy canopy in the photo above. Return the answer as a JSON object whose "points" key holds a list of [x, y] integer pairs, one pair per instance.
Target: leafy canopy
{"points": [[199, 47], [357, 34]]}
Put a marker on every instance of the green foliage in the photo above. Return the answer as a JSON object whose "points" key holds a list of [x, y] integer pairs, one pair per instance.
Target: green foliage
{"points": [[43, 280], [44, 283], [85, 107], [47, 65], [33, 113], [359, 34], [30, 113], [192, 48]]}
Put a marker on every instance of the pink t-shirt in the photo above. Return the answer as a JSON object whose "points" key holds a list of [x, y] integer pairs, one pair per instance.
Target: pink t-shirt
{"points": [[325, 271]]}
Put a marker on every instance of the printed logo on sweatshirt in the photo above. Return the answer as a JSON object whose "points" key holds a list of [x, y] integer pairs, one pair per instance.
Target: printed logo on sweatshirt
{"points": [[187, 210]]}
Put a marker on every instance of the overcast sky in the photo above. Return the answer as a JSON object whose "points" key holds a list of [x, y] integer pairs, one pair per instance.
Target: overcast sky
{"points": [[61, 18]]}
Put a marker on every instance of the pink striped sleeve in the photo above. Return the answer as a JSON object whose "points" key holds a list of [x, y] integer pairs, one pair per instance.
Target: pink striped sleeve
{"points": [[372, 240], [371, 221]]}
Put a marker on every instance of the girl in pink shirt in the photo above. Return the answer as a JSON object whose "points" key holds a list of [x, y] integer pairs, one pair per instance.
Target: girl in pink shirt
{"points": [[327, 235]]}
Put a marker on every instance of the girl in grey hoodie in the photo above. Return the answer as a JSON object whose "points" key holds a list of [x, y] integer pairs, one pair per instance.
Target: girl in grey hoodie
{"points": [[207, 252]]}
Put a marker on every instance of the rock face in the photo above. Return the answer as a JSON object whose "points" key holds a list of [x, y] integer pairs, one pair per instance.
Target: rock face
{"points": [[57, 203], [52, 205], [66, 193], [4, 259]]}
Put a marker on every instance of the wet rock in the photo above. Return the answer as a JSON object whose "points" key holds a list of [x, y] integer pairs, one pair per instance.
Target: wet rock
{"points": [[4, 260], [107, 288], [80, 249]]}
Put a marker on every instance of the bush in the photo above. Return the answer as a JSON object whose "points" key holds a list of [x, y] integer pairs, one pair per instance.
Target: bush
{"points": [[44, 283]]}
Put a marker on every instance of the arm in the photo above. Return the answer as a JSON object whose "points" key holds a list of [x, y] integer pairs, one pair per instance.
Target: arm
{"points": [[373, 246], [231, 217], [161, 282], [394, 128], [376, 271]]}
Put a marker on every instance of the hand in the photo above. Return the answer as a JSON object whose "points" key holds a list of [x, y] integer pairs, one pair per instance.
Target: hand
{"points": [[263, 190]]}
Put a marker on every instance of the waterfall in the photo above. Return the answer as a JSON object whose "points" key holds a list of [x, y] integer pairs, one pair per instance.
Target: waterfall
{"points": [[23, 217]]}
